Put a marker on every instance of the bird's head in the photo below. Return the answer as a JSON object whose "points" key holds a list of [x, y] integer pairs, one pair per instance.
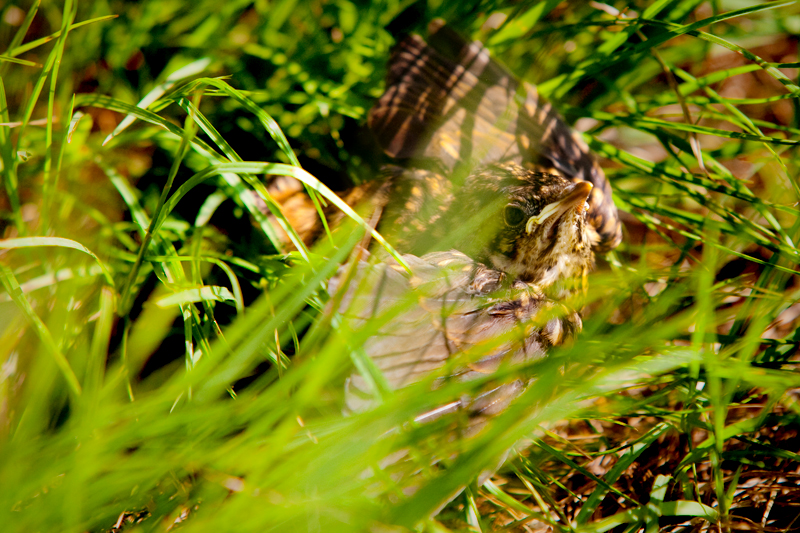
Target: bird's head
{"points": [[533, 224]]}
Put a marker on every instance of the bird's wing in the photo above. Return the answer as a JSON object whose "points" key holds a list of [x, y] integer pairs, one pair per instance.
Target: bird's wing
{"points": [[452, 102], [451, 317]]}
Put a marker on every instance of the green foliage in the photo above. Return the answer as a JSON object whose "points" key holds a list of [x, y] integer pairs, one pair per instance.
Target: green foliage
{"points": [[162, 355]]}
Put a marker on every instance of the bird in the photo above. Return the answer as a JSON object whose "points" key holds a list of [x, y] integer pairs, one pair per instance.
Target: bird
{"points": [[498, 208]]}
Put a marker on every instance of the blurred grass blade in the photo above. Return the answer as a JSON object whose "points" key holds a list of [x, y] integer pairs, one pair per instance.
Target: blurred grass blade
{"points": [[657, 494], [8, 59], [19, 50], [689, 508], [50, 279], [11, 285], [200, 294], [35, 242]]}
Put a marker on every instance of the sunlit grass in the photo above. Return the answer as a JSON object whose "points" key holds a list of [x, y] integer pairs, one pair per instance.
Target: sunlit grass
{"points": [[162, 356]]}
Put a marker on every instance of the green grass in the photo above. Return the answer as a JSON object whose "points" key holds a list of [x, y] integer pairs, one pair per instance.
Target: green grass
{"points": [[161, 356]]}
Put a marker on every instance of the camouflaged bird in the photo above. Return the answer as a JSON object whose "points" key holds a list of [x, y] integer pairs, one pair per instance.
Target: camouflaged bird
{"points": [[499, 208], [449, 107]]}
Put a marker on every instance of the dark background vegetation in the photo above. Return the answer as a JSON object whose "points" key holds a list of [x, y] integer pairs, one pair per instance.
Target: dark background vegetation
{"points": [[158, 364]]}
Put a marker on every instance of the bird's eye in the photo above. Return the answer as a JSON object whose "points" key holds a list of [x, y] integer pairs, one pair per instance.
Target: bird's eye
{"points": [[514, 216]]}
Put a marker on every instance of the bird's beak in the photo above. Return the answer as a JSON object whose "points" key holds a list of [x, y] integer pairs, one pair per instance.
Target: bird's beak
{"points": [[574, 197]]}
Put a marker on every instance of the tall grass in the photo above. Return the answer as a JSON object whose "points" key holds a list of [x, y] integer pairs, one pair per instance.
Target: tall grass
{"points": [[164, 360]]}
